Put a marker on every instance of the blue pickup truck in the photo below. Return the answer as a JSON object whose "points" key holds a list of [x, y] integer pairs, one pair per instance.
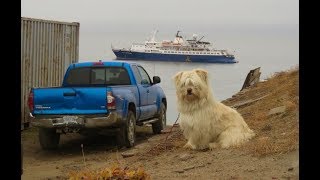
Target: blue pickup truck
{"points": [[99, 97]]}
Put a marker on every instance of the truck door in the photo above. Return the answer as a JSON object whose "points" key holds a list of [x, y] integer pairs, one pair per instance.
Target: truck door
{"points": [[142, 94], [151, 94]]}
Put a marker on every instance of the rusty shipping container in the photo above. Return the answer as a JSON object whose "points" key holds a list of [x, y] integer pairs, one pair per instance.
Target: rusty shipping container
{"points": [[47, 49]]}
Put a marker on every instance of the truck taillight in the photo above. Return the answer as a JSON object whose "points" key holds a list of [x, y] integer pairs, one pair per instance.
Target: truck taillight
{"points": [[30, 101], [111, 101]]}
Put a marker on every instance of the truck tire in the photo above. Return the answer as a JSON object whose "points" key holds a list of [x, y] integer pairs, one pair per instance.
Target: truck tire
{"points": [[127, 134], [48, 138], [161, 123]]}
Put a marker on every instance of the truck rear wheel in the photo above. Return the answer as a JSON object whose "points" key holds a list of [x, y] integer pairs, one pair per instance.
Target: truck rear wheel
{"points": [[48, 138], [161, 123], [127, 134]]}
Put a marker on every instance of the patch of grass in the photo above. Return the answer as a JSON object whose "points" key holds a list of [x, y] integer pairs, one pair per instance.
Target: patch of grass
{"points": [[110, 173], [278, 133]]}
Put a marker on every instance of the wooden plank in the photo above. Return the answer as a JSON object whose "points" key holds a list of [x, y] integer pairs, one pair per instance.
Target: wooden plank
{"points": [[252, 78], [243, 103]]}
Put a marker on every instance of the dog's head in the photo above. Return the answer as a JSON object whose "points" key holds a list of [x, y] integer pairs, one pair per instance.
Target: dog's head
{"points": [[191, 85]]}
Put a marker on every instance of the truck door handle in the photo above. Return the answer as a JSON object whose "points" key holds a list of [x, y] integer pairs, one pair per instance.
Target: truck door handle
{"points": [[69, 94]]}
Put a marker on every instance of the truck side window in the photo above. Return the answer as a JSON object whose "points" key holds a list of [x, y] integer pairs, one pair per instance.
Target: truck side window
{"points": [[145, 76], [137, 74], [123, 77]]}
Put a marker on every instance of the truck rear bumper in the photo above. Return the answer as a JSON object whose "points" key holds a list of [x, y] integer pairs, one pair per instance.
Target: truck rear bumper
{"points": [[77, 121]]}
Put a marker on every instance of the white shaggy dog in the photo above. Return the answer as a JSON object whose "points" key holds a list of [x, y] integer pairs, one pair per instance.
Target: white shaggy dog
{"points": [[207, 123]]}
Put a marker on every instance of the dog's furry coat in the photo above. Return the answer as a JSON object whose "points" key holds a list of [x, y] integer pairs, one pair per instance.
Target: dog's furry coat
{"points": [[207, 123]]}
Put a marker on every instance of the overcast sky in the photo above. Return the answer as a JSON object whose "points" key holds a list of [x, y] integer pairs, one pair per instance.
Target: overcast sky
{"points": [[137, 12]]}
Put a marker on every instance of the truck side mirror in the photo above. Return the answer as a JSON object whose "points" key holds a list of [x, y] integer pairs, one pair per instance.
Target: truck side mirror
{"points": [[156, 79]]}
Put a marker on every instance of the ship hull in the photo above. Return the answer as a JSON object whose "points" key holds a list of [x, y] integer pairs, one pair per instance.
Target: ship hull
{"points": [[131, 55]]}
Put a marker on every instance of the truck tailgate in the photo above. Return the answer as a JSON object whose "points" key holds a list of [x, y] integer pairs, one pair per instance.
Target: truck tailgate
{"points": [[70, 100]]}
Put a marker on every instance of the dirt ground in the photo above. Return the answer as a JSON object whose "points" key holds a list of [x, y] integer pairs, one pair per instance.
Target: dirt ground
{"points": [[272, 154]]}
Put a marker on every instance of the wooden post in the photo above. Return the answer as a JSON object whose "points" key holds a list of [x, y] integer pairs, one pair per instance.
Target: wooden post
{"points": [[252, 78]]}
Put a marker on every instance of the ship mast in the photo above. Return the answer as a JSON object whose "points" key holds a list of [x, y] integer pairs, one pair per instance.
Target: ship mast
{"points": [[152, 39]]}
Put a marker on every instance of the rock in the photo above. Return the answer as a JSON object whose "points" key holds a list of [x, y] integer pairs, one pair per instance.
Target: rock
{"points": [[184, 157], [57, 167], [165, 131], [127, 154], [179, 171], [201, 166], [188, 168], [250, 169], [290, 169], [277, 110], [192, 167]]}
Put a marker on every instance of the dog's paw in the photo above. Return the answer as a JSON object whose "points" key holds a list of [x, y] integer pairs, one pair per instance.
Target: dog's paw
{"points": [[202, 147], [213, 146], [189, 146]]}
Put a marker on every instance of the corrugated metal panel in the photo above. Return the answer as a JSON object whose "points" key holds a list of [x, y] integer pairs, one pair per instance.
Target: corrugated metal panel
{"points": [[47, 49]]}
